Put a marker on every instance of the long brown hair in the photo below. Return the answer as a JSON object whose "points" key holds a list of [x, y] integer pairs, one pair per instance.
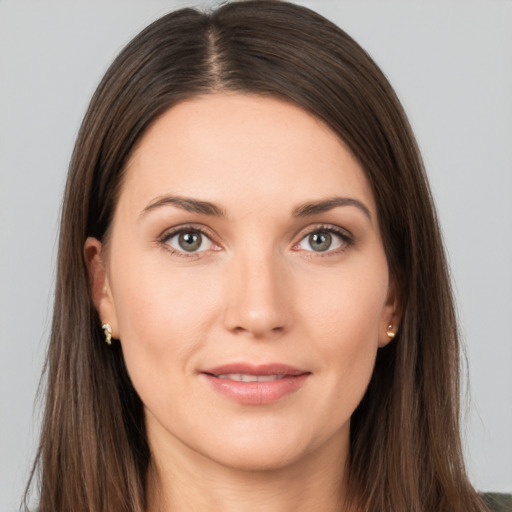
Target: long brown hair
{"points": [[405, 450]]}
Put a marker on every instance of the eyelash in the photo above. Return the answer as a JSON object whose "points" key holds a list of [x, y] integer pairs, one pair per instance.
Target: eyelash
{"points": [[168, 235], [346, 237]]}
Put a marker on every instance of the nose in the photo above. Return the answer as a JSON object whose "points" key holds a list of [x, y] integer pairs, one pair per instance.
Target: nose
{"points": [[259, 296]]}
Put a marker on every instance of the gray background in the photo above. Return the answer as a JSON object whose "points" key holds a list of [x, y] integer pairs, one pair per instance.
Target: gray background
{"points": [[451, 64]]}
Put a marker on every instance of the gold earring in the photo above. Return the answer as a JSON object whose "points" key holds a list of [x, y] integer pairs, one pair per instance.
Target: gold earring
{"points": [[390, 331], [108, 333]]}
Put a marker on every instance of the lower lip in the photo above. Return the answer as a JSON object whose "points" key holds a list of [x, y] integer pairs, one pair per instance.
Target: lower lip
{"points": [[257, 393]]}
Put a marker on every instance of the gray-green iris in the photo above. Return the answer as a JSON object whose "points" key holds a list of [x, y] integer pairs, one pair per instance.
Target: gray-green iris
{"points": [[320, 241], [190, 241]]}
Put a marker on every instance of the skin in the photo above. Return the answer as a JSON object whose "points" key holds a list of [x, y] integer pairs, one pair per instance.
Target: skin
{"points": [[256, 291]]}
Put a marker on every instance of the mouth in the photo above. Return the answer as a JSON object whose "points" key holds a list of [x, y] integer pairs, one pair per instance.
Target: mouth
{"points": [[243, 377], [255, 385]]}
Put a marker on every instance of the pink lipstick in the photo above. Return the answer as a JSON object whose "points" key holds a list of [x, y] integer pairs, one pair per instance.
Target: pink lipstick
{"points": [[255, 385]]}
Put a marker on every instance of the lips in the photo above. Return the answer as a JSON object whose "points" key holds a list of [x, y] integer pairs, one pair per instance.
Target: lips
{"points": [[255, 385], [244, 377]]}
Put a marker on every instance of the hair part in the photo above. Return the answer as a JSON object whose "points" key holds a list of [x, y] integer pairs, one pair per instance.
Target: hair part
{"points": [[405, 451]]}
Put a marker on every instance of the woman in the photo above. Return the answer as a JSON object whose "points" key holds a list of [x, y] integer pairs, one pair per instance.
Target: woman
{"points": [[252, 310]]}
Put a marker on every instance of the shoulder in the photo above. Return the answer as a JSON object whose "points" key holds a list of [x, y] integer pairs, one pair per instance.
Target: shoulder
{"points": [[498, 502]]}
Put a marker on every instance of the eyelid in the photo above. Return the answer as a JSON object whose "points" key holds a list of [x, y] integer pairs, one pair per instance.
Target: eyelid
{"points": [[346, 236], [169, 233]]}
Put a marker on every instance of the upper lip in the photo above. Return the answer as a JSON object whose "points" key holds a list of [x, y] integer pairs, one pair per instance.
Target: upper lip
{"points": [[251, 369]]}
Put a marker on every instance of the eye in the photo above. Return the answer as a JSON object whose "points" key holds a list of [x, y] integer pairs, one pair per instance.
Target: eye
{"points": [[188, 241], [324, 240]]}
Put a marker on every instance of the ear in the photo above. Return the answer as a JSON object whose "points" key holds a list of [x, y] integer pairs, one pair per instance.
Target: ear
{"points": [[101, 292], [391, 315]]}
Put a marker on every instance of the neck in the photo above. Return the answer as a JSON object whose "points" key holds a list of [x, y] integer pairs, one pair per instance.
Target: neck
{"points": [[192, 482]]}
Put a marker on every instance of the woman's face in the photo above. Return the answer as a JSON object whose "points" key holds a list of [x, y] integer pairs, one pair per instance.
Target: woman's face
{"points": [[246, 281]]}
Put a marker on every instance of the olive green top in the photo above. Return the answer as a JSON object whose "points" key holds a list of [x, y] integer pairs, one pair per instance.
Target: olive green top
{"points": [[498, 502]]}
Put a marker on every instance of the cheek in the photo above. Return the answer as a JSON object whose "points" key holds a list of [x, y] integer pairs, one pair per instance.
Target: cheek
{"points": [[163, 316], [344, 317], [347, 305], [349, 342]]}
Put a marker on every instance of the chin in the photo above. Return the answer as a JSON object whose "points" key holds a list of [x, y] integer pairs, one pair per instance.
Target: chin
{"points": [[259, 458], [263, 449]]}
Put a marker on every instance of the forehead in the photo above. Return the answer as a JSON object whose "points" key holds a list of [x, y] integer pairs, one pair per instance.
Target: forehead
{"points": [[243, 149]]}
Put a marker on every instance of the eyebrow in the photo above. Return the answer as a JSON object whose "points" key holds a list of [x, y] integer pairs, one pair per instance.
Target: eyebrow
{"points": [[315, 207], [185, 203], [206, 208]]}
